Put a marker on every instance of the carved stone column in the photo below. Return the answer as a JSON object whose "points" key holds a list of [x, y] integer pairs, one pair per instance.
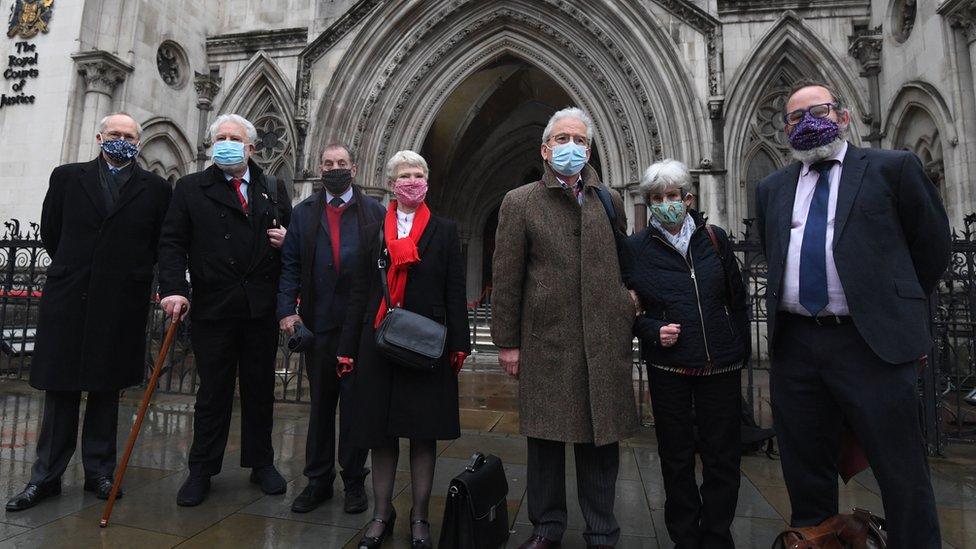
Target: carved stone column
{"points": [[102, 72], [866, 48], [207, 86], [961, 17]]}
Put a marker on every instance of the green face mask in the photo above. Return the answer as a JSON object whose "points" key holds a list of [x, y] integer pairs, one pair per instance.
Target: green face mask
{"points": [[669, 213]]}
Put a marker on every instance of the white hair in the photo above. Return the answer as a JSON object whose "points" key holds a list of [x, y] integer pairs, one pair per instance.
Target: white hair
{"points": [[664, 175], [104, 122], [252, 132], [405, 158], [569, 112]]}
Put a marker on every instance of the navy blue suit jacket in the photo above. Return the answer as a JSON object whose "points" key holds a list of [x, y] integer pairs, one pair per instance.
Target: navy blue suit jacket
{"points": [[307, 269], [891, 244]]}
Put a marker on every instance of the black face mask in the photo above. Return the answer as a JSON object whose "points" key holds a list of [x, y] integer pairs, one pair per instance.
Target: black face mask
{"points": [[337, 181]]}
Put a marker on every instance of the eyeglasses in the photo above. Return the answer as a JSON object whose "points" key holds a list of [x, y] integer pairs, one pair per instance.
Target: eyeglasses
{"points": [[816, 111], [563, 138], [114, 136]]}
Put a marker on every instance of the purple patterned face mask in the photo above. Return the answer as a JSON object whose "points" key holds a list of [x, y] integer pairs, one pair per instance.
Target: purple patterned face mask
{"points": [[813, 132]]}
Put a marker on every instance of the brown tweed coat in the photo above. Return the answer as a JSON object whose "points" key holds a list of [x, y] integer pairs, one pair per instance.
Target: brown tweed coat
{"points": [[557, 296]]}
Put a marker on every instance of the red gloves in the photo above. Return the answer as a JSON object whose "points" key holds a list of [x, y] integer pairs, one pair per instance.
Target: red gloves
{"points": [[344, 366], [457, 360]]}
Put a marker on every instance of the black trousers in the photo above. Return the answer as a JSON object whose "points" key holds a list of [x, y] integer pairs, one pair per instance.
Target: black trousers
{"points": [[327, 391], [59, 434], [698, 518], [823, 376], [596, 481], [225, 351]]}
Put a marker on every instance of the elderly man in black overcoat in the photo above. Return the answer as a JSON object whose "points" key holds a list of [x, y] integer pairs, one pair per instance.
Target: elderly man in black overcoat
{"points": [[226, 225], [100, 223]]}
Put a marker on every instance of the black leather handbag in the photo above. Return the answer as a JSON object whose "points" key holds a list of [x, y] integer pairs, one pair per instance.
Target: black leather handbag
{"points": [[407, 338], [476, 513]]}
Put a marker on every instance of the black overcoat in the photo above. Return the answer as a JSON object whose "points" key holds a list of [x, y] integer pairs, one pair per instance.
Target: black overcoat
{"points": [[389, 400], [91, 330], [233, 267]]}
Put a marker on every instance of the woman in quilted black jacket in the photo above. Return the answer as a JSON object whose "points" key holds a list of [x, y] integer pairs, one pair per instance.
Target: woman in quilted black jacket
{"points": [[694, 335]]}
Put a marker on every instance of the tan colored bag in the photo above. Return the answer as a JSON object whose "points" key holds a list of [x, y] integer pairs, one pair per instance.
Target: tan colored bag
{"points": [[858, 530]]}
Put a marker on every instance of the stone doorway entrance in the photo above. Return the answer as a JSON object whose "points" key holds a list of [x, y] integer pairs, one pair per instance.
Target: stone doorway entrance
{"points": [[483, 142]]}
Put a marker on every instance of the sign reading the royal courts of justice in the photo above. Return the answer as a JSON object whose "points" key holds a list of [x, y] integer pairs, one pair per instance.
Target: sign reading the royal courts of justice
{"points": [[27, 19]]}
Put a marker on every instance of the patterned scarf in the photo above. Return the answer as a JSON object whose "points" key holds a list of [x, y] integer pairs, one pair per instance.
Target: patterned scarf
{"points": [[681, 240]]}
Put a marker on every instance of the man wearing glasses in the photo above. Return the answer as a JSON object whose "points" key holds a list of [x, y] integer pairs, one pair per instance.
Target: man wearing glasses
{"points": [[562, 319], [856, 240], [100, 224]]}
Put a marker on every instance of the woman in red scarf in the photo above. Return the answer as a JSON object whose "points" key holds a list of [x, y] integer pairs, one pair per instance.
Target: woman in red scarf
{"points": [[425, 276]]}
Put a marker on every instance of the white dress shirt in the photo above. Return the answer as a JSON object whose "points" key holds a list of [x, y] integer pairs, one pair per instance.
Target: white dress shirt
{"points": [[346, 196], [404, 223], [245, 182], [836, 300]]}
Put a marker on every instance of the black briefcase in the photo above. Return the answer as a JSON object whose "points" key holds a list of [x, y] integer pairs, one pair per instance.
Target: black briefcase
{"points": [[476, 514]]}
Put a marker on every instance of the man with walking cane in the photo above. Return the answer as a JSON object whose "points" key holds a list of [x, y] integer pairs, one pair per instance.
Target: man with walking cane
{"points": [[226, 224], [100, 223]]}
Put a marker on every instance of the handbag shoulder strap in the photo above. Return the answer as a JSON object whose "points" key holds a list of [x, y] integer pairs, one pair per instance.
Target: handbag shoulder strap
{"points": [[718, 251], [382, 264]]}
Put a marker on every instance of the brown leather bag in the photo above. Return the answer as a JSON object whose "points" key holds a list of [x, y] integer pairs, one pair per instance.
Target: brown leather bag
{"points": [[858, 530]]}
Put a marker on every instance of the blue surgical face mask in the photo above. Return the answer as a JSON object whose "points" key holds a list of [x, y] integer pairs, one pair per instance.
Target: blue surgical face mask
{"points": [[568, 158], [228, 153], [669, 213]]}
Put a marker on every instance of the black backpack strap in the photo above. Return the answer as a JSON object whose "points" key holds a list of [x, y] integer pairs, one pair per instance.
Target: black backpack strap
{"points": [[618, 235]]}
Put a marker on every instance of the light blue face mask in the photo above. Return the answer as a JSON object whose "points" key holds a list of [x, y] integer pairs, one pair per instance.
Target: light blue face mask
{"points": [[669, 213], [568, 159], [228, 153]]}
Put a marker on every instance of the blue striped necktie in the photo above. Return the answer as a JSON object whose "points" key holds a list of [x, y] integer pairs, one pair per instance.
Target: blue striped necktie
{"points": [[813, 252]]}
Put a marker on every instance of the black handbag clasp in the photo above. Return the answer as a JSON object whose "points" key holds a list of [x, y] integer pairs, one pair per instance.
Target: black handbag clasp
{"points": [[477, 460]]}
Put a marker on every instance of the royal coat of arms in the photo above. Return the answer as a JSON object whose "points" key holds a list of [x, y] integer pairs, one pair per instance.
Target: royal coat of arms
{"points": [[29, 17]]}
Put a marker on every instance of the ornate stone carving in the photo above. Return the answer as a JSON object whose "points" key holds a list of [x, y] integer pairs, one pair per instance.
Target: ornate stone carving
{"points": [[523, 19], [961, 14], [903, 19], [101, 70], [257, 40], [171, 62], [685, 10], [317, 49], [207, 86], [866, 48]]}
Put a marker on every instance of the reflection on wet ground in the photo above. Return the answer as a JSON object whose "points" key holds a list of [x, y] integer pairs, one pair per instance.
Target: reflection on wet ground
{"points": [[237, 514]]}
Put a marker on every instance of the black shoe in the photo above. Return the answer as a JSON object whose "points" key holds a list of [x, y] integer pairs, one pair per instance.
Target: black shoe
{"points": [[356, 500], [311, 497], [102, 486], [270, 480], [420, 543], [193, 491], [369, 542], [33, 494]]}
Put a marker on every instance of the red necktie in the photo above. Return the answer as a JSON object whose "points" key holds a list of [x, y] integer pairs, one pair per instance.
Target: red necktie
{"points": [[240, 196]]}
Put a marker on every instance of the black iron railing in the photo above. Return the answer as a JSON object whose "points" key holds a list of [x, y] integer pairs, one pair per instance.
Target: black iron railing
{"points": [[947, 387]]}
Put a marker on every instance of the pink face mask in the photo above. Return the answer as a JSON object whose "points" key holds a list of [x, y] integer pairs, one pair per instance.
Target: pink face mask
{"points": [[410, 192]]}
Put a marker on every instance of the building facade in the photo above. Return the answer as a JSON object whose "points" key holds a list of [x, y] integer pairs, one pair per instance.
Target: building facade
{"points": [[471, 83]]}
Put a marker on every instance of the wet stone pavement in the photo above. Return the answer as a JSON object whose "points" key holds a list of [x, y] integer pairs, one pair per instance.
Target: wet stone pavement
{"points": [[236, 513]]}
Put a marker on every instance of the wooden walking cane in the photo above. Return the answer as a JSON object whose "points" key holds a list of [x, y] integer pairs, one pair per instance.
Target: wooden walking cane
{"points": [[143, 406]]}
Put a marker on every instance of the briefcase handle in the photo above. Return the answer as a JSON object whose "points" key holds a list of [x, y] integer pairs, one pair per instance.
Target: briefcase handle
{"points": [[477, 460]]}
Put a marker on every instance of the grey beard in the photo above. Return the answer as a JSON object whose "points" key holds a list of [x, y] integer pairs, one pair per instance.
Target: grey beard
{"points": [[822, 152]]}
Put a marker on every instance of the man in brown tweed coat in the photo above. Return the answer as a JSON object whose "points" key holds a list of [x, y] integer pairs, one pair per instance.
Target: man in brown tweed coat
{"points": [[562, 319]]}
